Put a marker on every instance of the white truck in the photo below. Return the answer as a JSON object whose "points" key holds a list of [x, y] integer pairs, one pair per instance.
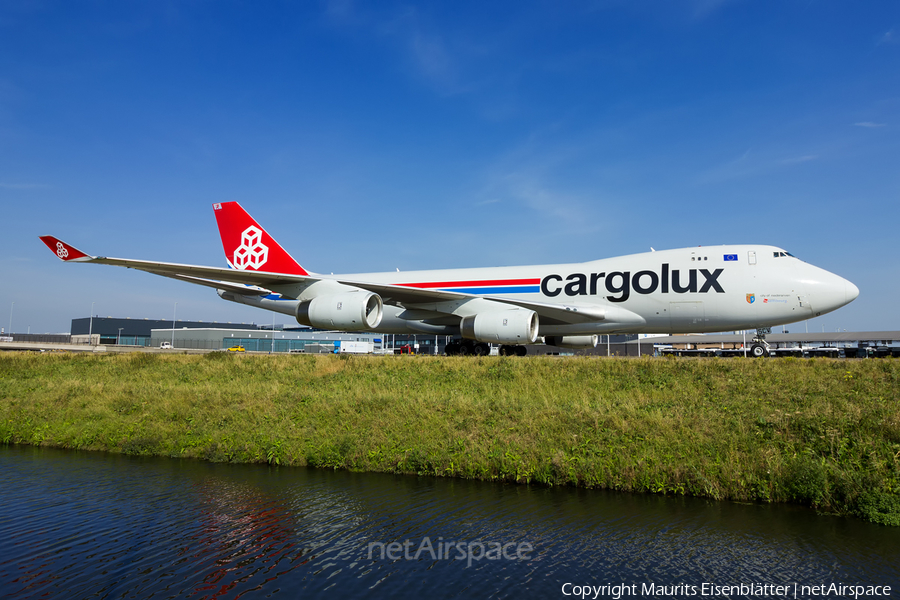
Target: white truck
{"points": [[345, 347]]}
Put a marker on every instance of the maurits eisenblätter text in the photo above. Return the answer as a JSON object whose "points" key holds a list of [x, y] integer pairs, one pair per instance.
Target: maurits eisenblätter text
{"points": [[762, 590]]}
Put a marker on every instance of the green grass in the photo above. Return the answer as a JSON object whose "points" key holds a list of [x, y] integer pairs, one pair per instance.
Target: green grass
{"points": [[824, 433]]}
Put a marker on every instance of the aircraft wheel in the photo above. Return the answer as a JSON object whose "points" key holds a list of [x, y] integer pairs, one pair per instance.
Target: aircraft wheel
{"points": [[463, 350], [481, 350], [757, 351], [521, 351]]}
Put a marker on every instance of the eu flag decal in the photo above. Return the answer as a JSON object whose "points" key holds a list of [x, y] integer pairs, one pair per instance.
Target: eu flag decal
{"points": [[730, 257]]}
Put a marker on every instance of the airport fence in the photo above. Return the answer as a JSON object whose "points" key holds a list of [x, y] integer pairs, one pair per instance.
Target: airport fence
{"points": [[41, 338]]}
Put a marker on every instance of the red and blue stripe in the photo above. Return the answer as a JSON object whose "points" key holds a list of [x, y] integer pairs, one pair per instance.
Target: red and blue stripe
{"points": [[483, 286]]}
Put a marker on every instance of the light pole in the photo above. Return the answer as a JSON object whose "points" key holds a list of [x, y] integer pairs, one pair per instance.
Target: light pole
{"points": [[91, 327], [174, 310], [10, 317], [119, 337]]}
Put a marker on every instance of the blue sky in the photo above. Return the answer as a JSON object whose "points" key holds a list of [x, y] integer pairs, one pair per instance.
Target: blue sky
{"points": [[376, 136]]}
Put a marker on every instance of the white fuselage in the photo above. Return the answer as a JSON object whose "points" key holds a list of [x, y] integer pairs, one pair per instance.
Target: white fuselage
{"points": [[690, 290]]}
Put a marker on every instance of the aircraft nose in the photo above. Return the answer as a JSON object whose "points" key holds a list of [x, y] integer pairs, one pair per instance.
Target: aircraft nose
{"points": [[828, 291]]}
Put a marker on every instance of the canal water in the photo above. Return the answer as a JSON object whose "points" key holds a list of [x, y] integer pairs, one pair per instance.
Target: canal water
{"points": [[93, 525]]}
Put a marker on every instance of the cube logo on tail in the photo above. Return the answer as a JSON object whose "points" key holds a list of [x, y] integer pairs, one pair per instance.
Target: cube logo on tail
{"points": [[252, 252]]}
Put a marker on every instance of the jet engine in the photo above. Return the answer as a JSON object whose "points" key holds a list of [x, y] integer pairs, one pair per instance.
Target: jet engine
{"points": [[348, 311], [571, 341], [515, 326]]}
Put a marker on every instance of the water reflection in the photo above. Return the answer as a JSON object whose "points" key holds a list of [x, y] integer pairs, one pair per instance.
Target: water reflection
{"points": [[242, 535], [82, 524]]}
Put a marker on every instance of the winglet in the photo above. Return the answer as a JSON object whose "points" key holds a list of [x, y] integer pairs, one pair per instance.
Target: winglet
{"points": [[248, 247], [63, 250]]}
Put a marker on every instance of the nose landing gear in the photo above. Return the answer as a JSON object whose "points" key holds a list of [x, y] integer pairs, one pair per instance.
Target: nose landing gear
{"points": [[760, 347]]}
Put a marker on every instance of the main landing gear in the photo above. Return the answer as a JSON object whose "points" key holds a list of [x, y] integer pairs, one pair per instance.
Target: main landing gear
{"points": [[467, 348], [473, 348], [760, 347], [513, 350]]}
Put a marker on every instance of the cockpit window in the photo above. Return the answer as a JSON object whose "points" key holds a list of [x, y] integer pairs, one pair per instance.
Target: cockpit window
{"points": [[783, 253]]}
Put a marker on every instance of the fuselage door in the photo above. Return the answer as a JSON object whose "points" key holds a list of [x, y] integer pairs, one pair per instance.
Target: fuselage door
{"points": [[751, 257], [686, 317]]}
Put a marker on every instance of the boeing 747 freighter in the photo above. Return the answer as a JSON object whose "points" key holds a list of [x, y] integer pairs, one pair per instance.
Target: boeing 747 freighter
{"points": [[689, 290]]}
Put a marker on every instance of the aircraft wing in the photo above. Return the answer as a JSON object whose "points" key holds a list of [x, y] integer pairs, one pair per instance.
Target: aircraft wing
{"points": [[235, 280], [191, 273]]}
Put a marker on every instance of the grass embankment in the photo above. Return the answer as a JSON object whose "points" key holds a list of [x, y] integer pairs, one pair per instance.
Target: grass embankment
{"points": [[819, 432]]}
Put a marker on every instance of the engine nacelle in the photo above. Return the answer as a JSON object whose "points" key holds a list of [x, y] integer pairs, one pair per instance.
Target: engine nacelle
{"points": [[515, 326], [571, 341], [350, 311]]}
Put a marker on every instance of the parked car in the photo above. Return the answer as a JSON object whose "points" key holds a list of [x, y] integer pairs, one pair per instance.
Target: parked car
{"points": [[236, 349], [165, 346]]}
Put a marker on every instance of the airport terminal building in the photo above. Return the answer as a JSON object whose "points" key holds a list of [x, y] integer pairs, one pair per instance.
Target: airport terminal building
{"points": [[254, 337], [136, 332]]}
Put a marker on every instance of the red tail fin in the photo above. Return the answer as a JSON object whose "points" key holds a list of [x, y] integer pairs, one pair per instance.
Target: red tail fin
{"points": [[247, 245]]}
